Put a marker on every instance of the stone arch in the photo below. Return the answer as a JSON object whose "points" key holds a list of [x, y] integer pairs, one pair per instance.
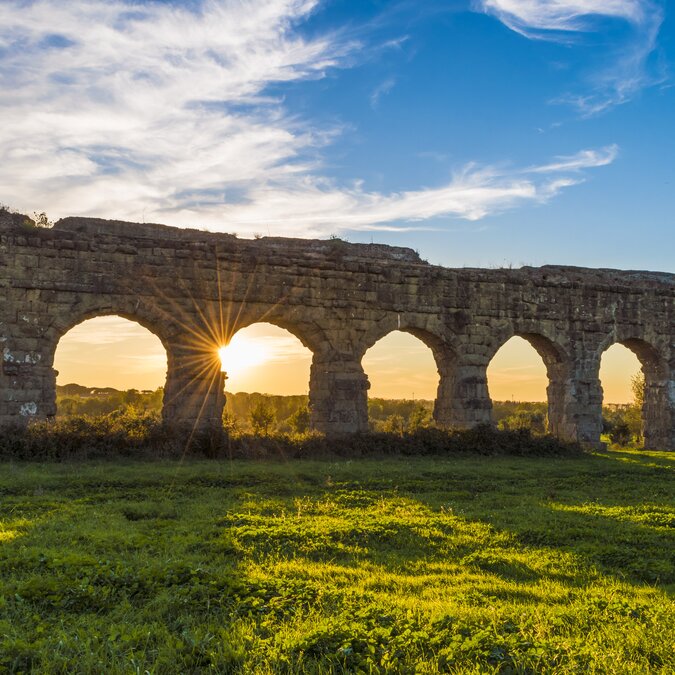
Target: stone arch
{"points": [[426, 328], [158, 322], [657, 409], [430, 333], [149, 318], [306, 330], [263, 363], [325, 360], [556, 359], [546, 343]]}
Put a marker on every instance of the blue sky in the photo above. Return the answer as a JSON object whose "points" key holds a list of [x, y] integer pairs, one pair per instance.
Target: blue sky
{"points": [[479, 132], [494, 132]]}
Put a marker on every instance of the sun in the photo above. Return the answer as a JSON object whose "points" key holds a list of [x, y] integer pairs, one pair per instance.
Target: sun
{"points": [[242, 354]]}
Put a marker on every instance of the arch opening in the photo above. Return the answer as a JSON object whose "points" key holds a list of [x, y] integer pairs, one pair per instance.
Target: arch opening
{"points": [[633, 388], [109, 363], [404, 375], [521, 378], [267, 370]]}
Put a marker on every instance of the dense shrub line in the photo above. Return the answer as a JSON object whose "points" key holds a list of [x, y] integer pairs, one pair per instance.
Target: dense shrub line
{"points": [[132, 433]]}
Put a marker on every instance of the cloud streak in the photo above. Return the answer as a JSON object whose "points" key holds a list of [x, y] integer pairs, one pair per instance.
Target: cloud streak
{"points": [[471, 194], [161, 112], [565, 20]]}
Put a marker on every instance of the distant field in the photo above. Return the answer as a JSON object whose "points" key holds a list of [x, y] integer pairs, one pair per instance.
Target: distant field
{"points": [[469, 565]]}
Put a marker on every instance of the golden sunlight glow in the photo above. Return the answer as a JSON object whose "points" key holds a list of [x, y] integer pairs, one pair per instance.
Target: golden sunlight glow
{"points": [[7, 535], [618, 365], [401, 366], [115, 352], [243, 353], [110, 351], [517, 373], [266, 359]]}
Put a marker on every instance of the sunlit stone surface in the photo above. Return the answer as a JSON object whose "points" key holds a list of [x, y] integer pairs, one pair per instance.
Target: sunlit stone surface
{"points": [[194, 290]]}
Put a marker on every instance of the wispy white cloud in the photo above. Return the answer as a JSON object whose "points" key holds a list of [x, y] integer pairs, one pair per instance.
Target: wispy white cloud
{"points": [[585, 159], [471, 194], [381, 90], [534, 18], [563, 20], [161, 112]]}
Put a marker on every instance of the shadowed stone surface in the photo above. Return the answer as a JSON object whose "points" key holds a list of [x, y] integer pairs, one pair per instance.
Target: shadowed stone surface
{"points": [[195, 289]]}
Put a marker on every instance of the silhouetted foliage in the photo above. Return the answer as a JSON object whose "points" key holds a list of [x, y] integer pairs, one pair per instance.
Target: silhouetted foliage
{"points": [[524, 419], [42, 220], [300, 420], [131, 432], [623, 423], [74, 399], [262, 417]]}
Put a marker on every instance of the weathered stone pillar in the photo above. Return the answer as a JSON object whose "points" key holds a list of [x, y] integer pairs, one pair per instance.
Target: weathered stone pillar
{"points": [[557, 393], [658, 412], [669, 434], [463, 400], [338, 395], [28, 381], [577, 400], [194, 395]]}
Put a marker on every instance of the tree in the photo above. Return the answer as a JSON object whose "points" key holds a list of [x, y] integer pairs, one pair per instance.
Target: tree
{"points": [[634, 413], [620, 433], [42, 220], [261, 417], [394, 424], [300, 420], [420, 418], [230, 422], [637, 385], [524, 419]]}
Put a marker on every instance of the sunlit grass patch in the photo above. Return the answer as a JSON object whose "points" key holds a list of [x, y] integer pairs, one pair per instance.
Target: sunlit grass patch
{"points": [[401, 565]]}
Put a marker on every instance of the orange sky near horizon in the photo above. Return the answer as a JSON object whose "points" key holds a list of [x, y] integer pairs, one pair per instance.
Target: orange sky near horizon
{"points": [[111, 351]]}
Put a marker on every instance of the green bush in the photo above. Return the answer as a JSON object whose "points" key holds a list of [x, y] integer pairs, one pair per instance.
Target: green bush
{"points": [[132, 432]]}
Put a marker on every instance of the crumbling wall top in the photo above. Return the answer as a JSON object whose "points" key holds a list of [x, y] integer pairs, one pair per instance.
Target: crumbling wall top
{"points": [[330, 247]]}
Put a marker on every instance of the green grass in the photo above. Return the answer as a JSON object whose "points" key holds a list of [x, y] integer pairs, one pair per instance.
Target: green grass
{"points": [[463, 565]]}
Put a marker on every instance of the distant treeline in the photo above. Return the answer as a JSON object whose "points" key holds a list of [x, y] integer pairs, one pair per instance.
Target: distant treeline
{"points": [[74, 400], [266, 413]]}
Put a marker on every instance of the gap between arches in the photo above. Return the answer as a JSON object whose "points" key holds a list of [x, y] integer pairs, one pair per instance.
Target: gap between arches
{"points": [[106, 363], [263, 357], [110, 351]]}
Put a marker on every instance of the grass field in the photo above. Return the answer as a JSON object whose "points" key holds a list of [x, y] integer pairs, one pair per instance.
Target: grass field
{"points": [[462, 565]]}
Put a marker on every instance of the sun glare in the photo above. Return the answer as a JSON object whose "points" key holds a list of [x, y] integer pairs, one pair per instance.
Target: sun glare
{"points": [[241, 354]]}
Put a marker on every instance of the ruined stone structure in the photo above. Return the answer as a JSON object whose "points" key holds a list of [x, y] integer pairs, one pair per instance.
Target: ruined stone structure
{"points": [[195, 289]]}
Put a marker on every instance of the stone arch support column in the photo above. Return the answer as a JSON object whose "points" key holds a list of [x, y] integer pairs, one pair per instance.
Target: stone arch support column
{"points": [[338, 395], [27, 379], [194, 395], [557, 395], [463, 400], [577, 400], [669, 418], [658, 413], [658, 409]]}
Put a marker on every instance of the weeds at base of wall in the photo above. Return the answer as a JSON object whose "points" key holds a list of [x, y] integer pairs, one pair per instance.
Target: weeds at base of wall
{"points": [[143, 435]]}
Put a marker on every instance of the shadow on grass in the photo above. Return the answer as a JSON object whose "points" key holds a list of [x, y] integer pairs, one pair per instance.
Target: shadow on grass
{"points": [[621, 521]]}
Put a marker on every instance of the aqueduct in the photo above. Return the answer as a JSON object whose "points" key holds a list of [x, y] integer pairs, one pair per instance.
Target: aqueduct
{"points": [[195, 289]]}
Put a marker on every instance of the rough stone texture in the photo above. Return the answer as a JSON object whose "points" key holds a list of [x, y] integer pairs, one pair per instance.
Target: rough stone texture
{"points": [[195, 289]]}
